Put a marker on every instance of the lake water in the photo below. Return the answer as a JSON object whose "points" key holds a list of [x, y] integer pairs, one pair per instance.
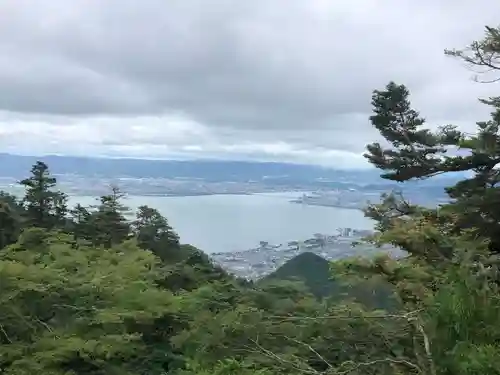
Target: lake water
{"points": [[219, 223]]}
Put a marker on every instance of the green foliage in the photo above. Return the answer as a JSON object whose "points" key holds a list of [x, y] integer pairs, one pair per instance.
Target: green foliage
{"points": [[10, 224], [464, 324], [76, 312], [315, 272], [92, 293], [449, 280], [81, 223], [311, 269], [416, 152], [45, 207], [226, 367], [108, 223], [154, 233]]}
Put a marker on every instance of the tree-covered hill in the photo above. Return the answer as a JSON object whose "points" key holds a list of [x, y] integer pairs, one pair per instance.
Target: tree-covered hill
{"points": [[312, 270], [316, 274]]}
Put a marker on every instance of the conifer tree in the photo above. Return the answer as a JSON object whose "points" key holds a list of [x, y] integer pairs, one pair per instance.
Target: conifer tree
{"points": [[154, 233], [109, 225], [45, 207], [415, 152], [81, 223]]}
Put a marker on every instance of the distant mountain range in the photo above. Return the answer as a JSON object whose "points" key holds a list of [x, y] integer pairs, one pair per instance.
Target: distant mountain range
{"points": [[275, 173], [11, 165]]}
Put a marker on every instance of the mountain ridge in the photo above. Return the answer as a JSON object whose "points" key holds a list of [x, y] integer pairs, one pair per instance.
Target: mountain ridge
{"points": [[11, 164], [209, 169]]}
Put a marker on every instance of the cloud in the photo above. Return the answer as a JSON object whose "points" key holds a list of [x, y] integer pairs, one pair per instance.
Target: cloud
{"points": [[153, 137], [266, 79]]}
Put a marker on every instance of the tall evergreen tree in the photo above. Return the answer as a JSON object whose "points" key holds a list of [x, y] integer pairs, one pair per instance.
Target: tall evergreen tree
{"points": [[108, 222], [154, 233], [45, 207], [60, 211], [81, 223], [416, 152]]}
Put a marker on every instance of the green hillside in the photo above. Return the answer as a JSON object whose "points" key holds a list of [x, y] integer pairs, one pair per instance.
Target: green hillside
{"points": [[314, 272]]}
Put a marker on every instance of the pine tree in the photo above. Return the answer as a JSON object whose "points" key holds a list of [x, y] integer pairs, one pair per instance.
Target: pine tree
{"points": [[418, 153], [415, 152], [45, 207], [108, 223], [81, 226], [154, 233]]}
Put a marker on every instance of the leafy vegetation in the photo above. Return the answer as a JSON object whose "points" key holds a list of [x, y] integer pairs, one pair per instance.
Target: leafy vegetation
{"points": [[84, 291], [315, 273], [312, 270]]}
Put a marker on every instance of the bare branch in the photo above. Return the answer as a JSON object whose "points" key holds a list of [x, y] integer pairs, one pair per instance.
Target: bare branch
{"points": [[2, 329], [280, 359], [405, 316], [397, 361], [483, 54], [312, 350], [427, 347]]}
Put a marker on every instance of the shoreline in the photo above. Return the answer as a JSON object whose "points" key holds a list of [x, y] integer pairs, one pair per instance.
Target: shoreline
{"points": [[326, 205], [187, 195], [166, 195], [202, 194], [221, 194]]}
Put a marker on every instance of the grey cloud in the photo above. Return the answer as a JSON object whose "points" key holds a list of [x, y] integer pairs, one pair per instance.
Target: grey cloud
{"points": [[296, 71]]}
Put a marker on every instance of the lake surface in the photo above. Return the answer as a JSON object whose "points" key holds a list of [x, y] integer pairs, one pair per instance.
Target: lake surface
{"points": [[220, 223]]}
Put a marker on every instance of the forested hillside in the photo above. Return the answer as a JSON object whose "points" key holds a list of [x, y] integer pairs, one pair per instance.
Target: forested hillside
{"points": [[84, 291], [315, 273]]}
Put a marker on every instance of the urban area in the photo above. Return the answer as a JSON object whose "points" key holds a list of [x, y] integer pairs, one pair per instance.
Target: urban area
{"points": [[262, 260]]}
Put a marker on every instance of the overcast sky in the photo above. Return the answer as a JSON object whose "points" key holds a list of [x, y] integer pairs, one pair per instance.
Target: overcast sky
{"points": [[263, 79]]}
